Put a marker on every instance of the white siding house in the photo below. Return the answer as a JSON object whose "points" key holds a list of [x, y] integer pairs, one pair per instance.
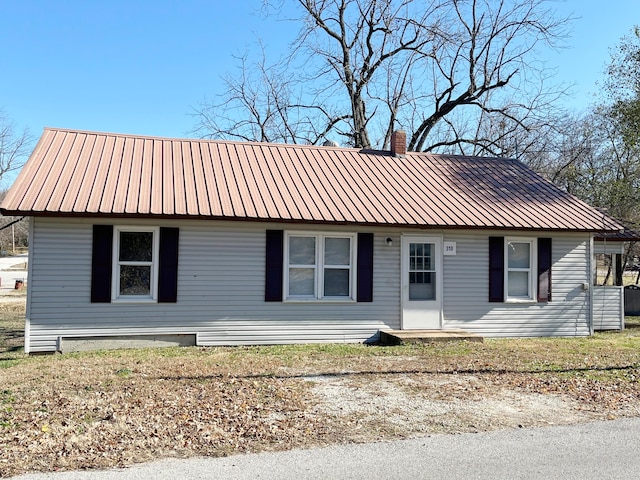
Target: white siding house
{"points": [[221, 243], [221, 286]]}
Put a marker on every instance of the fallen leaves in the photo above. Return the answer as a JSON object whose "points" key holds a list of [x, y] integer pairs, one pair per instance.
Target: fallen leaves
{"points": [[100, 410], [117, 420]]}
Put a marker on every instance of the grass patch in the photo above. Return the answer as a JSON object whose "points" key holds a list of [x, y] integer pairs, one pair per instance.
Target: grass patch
{"points": [[113, 408], [632, 322], [11, 333]]}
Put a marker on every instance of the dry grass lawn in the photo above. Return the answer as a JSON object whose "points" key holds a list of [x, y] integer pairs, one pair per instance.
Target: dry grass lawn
{"points": [[104, 409]]}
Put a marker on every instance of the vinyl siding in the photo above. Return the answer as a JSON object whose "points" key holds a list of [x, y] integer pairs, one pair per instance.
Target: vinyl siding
{"points": [[221, 275], [608, 308], [221, 271], [466, 290]]}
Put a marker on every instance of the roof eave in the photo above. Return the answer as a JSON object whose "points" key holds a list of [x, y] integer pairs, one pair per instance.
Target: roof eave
{"points": [[47, 214]]}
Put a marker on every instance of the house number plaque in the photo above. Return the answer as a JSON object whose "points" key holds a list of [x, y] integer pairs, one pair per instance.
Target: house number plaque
{"points": [[449, 248]]}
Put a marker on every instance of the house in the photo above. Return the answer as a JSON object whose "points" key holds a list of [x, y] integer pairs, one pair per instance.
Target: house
{"points": [[139, 240]]}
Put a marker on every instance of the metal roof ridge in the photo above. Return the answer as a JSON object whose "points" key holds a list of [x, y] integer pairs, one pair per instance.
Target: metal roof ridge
{"points": [[199, 140], [364, 151]]}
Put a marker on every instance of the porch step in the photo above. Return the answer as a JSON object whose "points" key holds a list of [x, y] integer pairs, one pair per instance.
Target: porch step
{"points": [[398, 337]]}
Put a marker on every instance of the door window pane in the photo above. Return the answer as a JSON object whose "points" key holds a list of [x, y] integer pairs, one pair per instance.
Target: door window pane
{"points": [[422, 286], [428, 259], [336, 282], [420, 257], [422, 277], [302, 250]]}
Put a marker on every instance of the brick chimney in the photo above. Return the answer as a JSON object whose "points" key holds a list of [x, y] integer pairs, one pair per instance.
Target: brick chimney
{"points": [[399, 143]]}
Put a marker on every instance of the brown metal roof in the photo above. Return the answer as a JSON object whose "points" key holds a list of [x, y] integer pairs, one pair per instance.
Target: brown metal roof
{"points": [[88, 173], [626, 235]]}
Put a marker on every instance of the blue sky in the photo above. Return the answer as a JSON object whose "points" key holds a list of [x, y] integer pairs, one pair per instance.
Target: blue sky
{"points": [[142, 66]]}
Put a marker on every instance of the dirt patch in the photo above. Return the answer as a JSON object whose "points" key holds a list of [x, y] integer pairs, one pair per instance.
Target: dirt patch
{"points": [[412, 405]]}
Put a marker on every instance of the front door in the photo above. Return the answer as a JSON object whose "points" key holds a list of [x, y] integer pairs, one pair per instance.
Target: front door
{"points": [[421, 282]]}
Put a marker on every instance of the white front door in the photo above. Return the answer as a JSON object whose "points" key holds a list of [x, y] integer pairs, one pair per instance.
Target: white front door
{"points": [[421, 282]]}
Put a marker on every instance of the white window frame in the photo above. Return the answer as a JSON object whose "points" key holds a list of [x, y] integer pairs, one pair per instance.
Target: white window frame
{"points": [[115, 282], [533, 262], [319, 267]]}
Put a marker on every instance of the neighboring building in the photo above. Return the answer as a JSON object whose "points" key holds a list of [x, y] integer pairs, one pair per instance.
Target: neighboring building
{"points": [[138, 239], [611, 299]]}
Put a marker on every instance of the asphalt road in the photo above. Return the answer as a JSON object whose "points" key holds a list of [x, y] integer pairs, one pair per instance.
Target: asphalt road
{"points": [[600, 450]]}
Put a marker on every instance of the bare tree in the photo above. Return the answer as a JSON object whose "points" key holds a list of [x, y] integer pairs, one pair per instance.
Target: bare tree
{"points": [[441, 69], [14, 231], [358, 40], [487, 70], [260, 105], [599, 154], [14, 146], [14, 234]]}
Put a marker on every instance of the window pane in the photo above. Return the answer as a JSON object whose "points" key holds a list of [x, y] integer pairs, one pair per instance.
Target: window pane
{"points": [[518, 284], [302, 250], [301, 281], [518, 255], [336, 282], [135, 280], [420, 256], [337, 251], [422, 286], [427, 257], [136, 246]]}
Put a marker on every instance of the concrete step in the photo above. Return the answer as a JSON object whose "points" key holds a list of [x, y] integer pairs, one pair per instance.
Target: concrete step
{"points": [[399, 337]]}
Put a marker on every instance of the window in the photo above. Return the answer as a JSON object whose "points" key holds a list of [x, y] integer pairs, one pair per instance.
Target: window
{"points": [[319, 266], [519, 274], [123, 267], [518, 267], [608, 269], [422, 271], [135, 264]]}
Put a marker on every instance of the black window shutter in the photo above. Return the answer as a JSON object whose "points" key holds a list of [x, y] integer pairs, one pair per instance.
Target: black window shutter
{"points": [[274, 265], [101, 263], [544, 269], [496, 269], [365, 267], [168, 265]]}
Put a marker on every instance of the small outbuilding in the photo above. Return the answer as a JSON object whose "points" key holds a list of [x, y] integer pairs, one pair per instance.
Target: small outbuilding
{"points": [[141, 240], [612, 300]]}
